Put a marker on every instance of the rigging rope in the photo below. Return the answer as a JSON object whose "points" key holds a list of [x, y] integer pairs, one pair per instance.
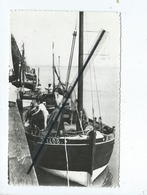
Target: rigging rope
{"points": [[70, 59], [76, 22], [91, 90], [97, 95], [71, 55], [66, 154], [58, 77], [91, 95], [59, 66]]}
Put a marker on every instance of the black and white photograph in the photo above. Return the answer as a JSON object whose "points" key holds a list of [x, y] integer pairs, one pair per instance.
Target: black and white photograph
{"points": [[73, 97], [64, 98]]}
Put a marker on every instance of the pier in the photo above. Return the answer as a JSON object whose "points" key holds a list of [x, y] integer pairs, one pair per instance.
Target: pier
{"points": [[19, 157]]}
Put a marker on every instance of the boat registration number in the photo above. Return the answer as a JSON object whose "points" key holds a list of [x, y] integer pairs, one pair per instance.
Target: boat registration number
{"points": [[54, 140]]}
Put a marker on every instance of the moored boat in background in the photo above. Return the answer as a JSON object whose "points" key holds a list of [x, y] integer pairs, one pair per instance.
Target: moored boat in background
{"points": [[23, 75]]}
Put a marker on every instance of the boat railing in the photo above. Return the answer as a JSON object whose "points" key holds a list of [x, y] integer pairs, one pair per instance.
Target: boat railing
{"points": [[108, 137]]}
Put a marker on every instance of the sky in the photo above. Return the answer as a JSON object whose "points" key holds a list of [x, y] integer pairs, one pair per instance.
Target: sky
{"points": [[39, 29]]}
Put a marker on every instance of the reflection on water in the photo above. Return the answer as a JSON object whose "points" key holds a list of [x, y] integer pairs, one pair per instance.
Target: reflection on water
{"points": [[105, 179], [108, 180]]}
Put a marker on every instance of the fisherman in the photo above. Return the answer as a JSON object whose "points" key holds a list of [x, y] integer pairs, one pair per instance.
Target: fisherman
{"points": [[59, 125], [30, 111], [58, 96], [49, 89], [41, 107]]}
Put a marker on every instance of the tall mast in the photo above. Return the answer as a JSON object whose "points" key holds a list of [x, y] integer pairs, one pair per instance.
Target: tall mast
{"points": [[80, 64], [38, 76], [53, 66], [59, 66], [70, 59]]}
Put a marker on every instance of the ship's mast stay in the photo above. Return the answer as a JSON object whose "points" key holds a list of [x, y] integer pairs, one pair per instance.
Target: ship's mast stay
{"points": [[80, 64]]}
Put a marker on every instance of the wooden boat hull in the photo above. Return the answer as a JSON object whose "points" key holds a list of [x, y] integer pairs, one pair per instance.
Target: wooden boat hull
{"points": [[81, 177], [85, 160]]}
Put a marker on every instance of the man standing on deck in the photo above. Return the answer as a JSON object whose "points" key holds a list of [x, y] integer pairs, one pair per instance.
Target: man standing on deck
{"points": [[58, 96], [41, 107], [49, 89]]}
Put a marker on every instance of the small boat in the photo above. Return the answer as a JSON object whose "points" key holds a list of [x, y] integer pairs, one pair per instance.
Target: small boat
{"points": [[72, 146]]}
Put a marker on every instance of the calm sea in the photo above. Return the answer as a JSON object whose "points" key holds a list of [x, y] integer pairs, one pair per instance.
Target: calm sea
{"points": [[101, 91]]}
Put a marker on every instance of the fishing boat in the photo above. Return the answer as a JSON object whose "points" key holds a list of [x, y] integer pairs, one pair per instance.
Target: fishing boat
{"points": [[72, 145], [23, 75]]}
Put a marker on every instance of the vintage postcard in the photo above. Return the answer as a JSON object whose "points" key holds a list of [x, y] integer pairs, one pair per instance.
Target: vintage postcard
{"points": [[64, 97], [73, 97]]}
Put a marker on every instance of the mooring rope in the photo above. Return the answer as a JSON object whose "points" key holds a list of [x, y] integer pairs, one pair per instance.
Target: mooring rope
{"points": [[66, 154]]}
